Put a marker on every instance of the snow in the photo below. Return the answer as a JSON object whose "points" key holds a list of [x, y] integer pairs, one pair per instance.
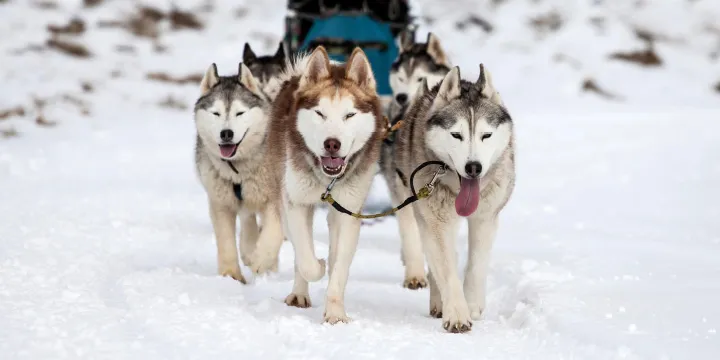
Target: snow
{"points": [[607, 250]]}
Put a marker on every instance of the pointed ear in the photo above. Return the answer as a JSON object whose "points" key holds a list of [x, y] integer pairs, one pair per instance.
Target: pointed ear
{"points": [[209, 80], [434, 49], [485, 85], [406, 40], [450, 86], [358, 69], [246, 79], [280, 53], [248, 54], [317, 68]]}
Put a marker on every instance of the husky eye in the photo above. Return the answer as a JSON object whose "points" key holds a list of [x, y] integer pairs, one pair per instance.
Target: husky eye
{"points": [[239, 113], [456, 135], [349, 115], [319, 114], [421, 79], [216, 113], [485, 136]]}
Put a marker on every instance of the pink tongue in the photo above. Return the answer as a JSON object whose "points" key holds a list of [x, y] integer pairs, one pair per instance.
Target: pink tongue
{"points": [[331, 162], [227, 150], [469, 197]]}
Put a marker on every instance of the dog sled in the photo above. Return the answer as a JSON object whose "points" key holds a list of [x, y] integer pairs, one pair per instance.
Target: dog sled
{"points": [[342, 25]]}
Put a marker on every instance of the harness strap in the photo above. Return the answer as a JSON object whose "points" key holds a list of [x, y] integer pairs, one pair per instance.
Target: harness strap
{"points": [[423, 193], [237, 188]]}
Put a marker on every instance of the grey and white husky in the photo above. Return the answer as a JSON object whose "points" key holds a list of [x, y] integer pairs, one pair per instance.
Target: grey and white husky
{"points": [[416, 62], [266, 67], [231, 117], [465, 126]]}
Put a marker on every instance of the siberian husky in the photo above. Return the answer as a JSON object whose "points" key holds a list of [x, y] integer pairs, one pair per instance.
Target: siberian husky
{"points": [[415, 63], [265, 68], [326, 127], [467, 127], [231, 154]]}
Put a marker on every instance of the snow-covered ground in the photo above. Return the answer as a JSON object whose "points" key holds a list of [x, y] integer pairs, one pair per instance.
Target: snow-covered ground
{"points": [[609, 248]]}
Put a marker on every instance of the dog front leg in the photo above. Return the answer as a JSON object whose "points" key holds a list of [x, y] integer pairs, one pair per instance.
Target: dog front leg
{"points": [[343, 243], [224, 220], [249, 233], [299, 225], [265, 256], [481, 234], [439, 244]]}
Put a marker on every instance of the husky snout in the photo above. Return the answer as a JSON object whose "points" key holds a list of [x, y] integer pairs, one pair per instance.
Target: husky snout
{"points": [[473, 169], [401, 98], [227, 135], [332, 146]]}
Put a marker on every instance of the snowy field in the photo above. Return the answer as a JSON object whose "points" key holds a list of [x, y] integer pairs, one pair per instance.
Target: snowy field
{"points": [[609, 248]]}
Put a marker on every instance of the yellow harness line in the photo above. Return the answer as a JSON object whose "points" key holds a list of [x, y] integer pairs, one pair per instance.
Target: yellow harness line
{"points": [[422, 193]]}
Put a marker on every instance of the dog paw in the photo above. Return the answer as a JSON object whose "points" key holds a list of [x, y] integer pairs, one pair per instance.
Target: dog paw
{"points": [[335, 312], [263, 262], [436, 312], [476, 311], [298, 300], [456, 319], [415, 283], [233, 272], [312, 271], [246, 260], [333, 318]]}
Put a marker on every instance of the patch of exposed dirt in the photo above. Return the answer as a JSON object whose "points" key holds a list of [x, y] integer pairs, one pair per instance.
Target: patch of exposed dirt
{"points": [[474, 20], [717, 87], [91, 3], [590, 85], [184, 20], [171, 103], [76, 26], [69, 48], [15, 111], [87, 87], [180, 80], [9, 133], [647, 57], [547, 23]]}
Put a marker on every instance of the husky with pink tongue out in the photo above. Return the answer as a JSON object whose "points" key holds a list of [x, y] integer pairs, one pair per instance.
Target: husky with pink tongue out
{"points": [[465, 126]]}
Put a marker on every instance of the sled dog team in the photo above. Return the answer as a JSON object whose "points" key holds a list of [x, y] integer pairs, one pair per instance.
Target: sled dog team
{"points": [[282, 133]]}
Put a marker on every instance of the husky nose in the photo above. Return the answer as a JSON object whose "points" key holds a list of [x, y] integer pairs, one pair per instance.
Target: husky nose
{"points": [[332, 146], [473, 169], [226, 135], [401, 99]]}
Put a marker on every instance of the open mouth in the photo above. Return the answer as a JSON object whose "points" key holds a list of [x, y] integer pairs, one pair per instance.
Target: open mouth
{"points": [[228, 150], [332, 166]]}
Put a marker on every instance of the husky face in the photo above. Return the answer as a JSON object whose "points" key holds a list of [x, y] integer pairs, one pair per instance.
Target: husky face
{"points": [[415, 63], [468, 129], [265, 67], [336, 109], [230, 115]]}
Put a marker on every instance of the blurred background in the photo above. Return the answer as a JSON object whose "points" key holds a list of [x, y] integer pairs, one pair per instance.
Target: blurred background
{"points": [[60, 56]]}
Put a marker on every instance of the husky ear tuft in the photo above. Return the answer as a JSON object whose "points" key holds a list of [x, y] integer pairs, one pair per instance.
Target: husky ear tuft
{"points": [[358, 69], [434, 49], [280, 53], [246, 79], [485, 85], [318, 67], [450, 86], [210, 79], [248, 54], [406, 40]]}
